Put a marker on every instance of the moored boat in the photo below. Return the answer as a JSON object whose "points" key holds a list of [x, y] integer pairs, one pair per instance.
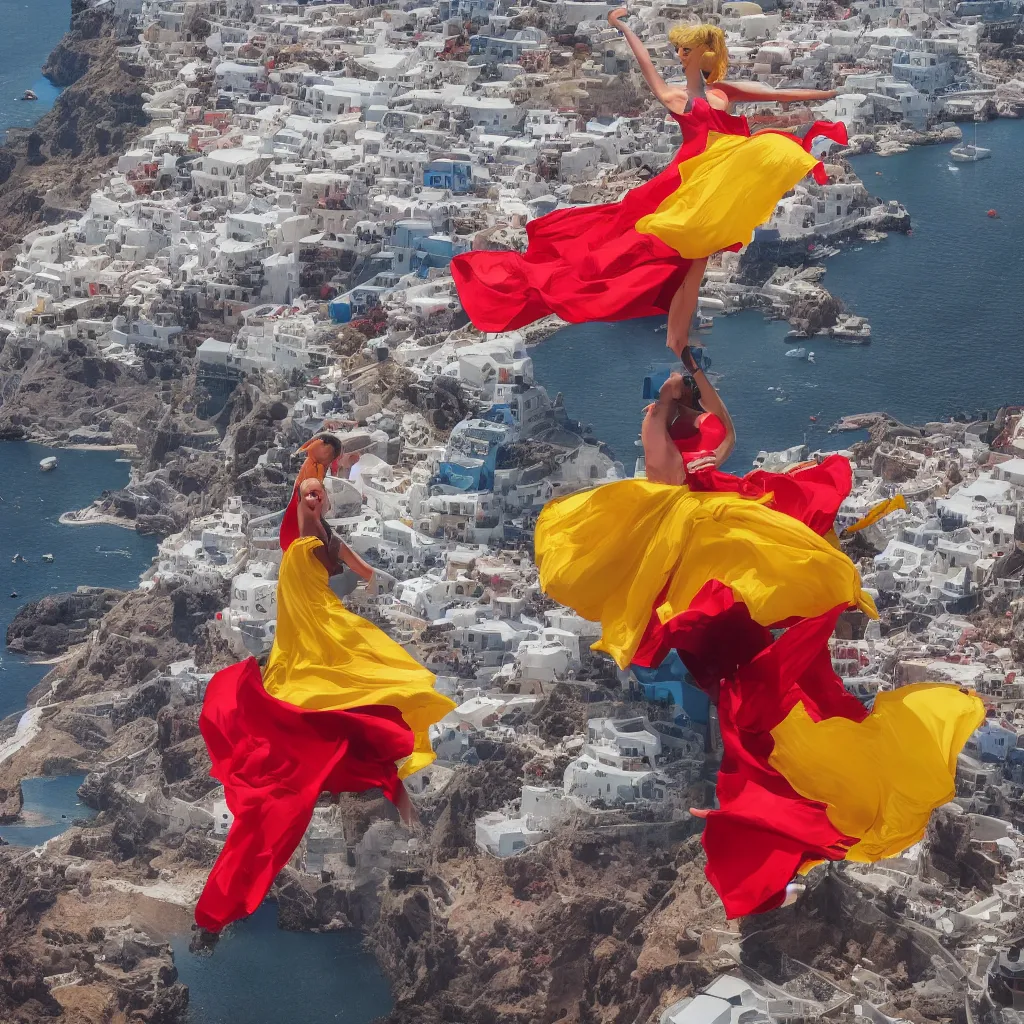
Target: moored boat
{"points": [[854, 330]]}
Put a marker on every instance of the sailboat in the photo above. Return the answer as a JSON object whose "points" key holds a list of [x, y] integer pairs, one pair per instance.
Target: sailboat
{"points": [[970, 152]]}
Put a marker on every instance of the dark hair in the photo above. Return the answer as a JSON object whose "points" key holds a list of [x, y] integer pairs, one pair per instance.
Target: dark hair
{"points": [[694, 390], [331, 439]]}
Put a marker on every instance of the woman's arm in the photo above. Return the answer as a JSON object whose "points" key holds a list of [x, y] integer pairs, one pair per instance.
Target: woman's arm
{"points": [[354, 562], [711, 402], [752, 92], [664, 93]]}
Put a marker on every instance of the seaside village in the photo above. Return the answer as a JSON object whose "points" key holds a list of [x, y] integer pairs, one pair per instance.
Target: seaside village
{"points": [[290, 213]]}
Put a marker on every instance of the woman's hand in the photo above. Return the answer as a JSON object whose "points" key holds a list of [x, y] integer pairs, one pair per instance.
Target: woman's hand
{"points": [[380, 582], [704, 460], [615, 16]]}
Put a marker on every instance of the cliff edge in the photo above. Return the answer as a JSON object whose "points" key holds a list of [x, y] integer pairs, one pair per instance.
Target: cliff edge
{"points": [[49, 171]]}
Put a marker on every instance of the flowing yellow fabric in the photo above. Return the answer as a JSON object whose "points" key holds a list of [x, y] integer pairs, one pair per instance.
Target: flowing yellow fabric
{"points": [[608, 553], [881, 778], [327, 658], [879, 511], [702, 215]]}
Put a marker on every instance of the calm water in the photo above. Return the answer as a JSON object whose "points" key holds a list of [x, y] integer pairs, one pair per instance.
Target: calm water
{"points": [[28, 34], [51, 805], [946, 308], [259, 975], [30, 504]]}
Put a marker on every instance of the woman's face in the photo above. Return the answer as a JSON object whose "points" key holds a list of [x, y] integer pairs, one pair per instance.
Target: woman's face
{"points": [[313, 496], [689, 57]]}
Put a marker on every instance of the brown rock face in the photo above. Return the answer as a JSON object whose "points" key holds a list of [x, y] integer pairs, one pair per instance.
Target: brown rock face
{"points": [[10, 805], [50, 170], [24, 996], [49, 626]]}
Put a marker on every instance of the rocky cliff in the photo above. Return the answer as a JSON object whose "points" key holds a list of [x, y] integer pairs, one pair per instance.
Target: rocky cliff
{"points": [[54, 623], [52, 168], [52, 966]]}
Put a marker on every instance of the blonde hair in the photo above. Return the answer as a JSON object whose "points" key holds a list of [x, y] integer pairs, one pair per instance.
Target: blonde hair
{"points": [[715, 61]]}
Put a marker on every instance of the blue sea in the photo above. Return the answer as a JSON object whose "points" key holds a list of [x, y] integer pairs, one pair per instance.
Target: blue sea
{"points": [[31, 502], [260, 975], [28, 33], [945, 304], [50, 806]]}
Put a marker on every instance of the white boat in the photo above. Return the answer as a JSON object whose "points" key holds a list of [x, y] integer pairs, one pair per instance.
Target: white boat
{"points": [[797, 353], [824, 252], [854, 330], [969, 153], [47, 558], [705, 323], [50, 462]]}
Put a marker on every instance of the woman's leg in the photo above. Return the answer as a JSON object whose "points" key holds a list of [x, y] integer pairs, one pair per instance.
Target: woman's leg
{"points": [[683, 306]]}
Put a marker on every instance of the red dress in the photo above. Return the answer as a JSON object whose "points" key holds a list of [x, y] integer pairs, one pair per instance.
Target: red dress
{"points": [[811, 493], [591, 263]]}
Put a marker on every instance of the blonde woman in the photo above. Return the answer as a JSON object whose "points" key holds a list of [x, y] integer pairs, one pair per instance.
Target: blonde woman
{"points": [[645, 255]]}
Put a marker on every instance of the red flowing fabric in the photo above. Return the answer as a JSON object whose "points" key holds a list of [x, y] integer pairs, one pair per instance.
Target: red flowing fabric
{"points": [[589, 263], [289, 532], [714, 637], [274, 761], [712, 650], [812, 493], [764, 832]]}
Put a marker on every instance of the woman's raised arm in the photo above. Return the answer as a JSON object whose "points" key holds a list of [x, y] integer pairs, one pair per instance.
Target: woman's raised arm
{"points": [[753, 92], [664, 93]]}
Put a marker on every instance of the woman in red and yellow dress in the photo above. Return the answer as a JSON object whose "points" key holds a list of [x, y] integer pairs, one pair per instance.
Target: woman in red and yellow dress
{"points": [[741, 577], [645, 255], [340, 707], [687, 436], [642, 557]]}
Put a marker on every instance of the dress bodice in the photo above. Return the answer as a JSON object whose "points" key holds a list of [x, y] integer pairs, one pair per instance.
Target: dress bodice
{"points": [[704, 434], [702, 118]]}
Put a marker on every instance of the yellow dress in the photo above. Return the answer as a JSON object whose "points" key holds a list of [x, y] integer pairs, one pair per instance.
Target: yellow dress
{"points": [[327, 658], [608, 553], [703, 214], [880, 778]]}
